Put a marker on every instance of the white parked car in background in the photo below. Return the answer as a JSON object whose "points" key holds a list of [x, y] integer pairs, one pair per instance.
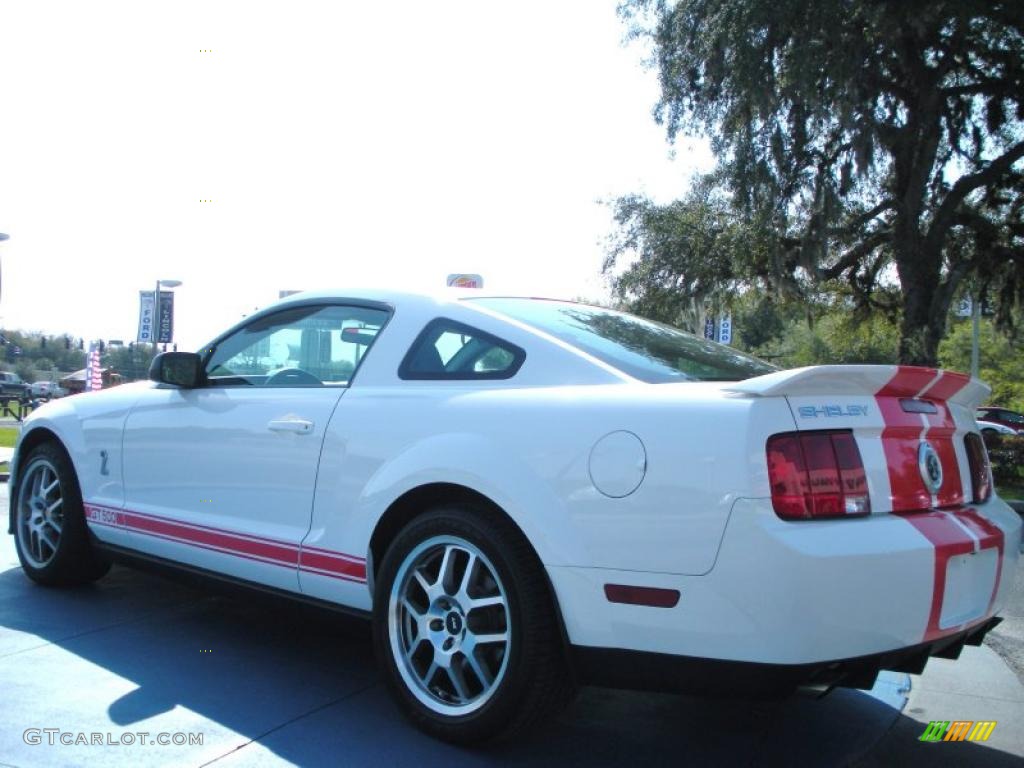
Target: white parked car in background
{"points": [[46, 390], [526, 495], [990, 427]]}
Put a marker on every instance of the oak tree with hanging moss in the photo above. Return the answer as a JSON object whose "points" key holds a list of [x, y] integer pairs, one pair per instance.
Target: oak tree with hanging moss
{"points": [[872, 142]]}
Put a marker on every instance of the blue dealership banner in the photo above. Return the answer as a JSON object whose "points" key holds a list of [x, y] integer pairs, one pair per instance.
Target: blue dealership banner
{"points": [[145, 333], [148, 320], [166, 331], [725, 328]]}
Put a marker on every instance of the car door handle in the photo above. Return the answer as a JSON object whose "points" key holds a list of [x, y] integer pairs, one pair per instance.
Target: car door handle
{"points": [[299, 426]]}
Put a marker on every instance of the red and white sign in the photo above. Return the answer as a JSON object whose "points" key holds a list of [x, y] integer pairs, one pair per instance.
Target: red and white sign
{"points": [[465, 281], [93, 372]]}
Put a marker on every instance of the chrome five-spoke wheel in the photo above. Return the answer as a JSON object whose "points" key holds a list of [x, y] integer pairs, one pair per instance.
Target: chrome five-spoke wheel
{"points": [[49, 521], [449, 625], [465, 628], [40, 512]]}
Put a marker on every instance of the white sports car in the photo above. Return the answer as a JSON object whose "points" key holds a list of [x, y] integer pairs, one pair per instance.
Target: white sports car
{"points": [[528, 494]]}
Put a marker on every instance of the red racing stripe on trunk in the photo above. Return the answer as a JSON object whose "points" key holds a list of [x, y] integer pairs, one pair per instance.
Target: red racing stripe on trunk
{"points": [[901, 437], [941, 433], [908, 381], [947, 386], [949, 540], [989, 535], [959, 531]]}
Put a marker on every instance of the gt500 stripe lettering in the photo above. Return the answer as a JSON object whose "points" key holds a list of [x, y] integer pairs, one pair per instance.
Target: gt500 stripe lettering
{"points": [[314, 560]]}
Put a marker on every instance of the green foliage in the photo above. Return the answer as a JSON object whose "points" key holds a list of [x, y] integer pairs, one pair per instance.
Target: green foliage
{"points": [[37, 361], [759, 321], [25, 370], [35, 357], [8, 435], [826, 331], [1006, 454], [131, 362], [1001, 363], [690, 252], [853, 137]]}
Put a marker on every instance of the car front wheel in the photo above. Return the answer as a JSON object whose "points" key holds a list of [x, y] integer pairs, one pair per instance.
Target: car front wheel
{"points": [[49, 522], [465, 628]]}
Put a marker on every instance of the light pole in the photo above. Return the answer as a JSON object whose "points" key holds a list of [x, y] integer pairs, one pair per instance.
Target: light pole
{"points": [[4, 237], [156, 309], [975, 333]]}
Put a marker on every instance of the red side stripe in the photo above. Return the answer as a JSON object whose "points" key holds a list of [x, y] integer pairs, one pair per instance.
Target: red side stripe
{"points": [[221, 540], [341, 576], [211, 548], [333, 565], [331, 552], [210, 528], [321, 561]]}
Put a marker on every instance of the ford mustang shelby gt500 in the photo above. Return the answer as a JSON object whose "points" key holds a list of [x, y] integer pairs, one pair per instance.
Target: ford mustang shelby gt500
{"points": [[528, 494]]}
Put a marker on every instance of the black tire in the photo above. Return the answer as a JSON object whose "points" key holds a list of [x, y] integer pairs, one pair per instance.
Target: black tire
{"points": [[74, 560], [535, 683]]}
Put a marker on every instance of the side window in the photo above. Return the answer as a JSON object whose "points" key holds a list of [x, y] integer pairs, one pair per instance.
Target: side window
{"points": [[306, 346], [447, 349]]}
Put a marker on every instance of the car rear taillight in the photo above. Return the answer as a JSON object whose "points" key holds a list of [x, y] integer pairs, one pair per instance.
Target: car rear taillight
{"points": [[817, 475], [977, 459]]}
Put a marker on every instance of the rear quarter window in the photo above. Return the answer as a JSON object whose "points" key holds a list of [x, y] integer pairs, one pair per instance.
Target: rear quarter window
{"points": [[450, 350]]}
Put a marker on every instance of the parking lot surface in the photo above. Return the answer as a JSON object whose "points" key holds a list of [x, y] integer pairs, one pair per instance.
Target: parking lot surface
{"points": [[268, 683]]}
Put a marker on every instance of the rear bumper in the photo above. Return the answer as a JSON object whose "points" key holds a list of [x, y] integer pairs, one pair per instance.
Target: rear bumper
{"points": [[637, 670], [810, 592]]}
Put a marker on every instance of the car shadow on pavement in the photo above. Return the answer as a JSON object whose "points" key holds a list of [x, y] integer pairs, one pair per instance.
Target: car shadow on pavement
{"points": [[267, 681]]}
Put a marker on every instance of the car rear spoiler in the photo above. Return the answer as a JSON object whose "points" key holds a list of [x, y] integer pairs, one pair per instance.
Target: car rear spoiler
{"points": [[891, 380]]}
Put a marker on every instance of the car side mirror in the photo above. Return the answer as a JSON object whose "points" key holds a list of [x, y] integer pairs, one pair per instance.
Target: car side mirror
{"points": [[182, 369]]}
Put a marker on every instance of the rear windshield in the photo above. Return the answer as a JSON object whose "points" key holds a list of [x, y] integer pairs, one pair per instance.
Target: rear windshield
{"points": [[646, 350]]}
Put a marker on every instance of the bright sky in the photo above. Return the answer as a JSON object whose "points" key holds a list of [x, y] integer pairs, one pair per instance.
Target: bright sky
{"points": [[338, 143]]}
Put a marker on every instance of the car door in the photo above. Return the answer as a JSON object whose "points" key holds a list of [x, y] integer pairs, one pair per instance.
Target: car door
{"points": [[221, 476]]}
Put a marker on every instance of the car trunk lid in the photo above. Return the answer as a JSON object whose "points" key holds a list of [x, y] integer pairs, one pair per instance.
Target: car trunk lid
{"points": [[909, 424]]}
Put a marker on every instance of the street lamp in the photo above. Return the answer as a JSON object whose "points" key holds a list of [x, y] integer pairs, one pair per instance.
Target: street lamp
{"points": [[156, 309]]}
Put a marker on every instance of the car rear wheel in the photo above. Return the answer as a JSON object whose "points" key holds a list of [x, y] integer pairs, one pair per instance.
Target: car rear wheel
{"points": [[465, 628], [49, 522]]}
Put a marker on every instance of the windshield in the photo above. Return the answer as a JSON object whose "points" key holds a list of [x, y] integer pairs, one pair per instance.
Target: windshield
{"points": [[1011, 417], [646, 350]]}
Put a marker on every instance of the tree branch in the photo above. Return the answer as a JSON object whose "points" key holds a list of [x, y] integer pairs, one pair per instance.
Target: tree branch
{"points": [[987, 87], [864, 218], [853, 256], [964, 186]]}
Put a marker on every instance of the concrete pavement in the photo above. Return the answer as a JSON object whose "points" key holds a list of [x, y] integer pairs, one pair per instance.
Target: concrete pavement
{"points": [[269, 683], [6, 454]]}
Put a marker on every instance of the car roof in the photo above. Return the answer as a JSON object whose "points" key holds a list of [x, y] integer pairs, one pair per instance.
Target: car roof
{"points": [[425, 303], [406, 297]]}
